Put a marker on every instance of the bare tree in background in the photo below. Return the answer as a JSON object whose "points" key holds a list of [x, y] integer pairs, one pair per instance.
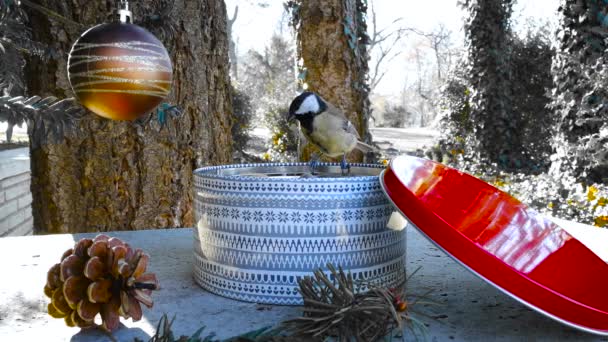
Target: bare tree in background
{"points": [[382, 43], [432, 77], [420, 96], [440, 41], [269, 78]]}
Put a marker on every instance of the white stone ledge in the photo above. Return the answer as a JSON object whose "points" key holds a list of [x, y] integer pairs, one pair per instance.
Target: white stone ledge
{"points": [[12, 224], [23, 229], [25, 200], [8, 208], [15, 193], [14, 162], [15, 179], [465, 308], [17, 190]]}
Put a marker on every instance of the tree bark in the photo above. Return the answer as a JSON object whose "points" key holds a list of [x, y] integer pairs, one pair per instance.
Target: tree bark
{"points": [[124, 175], [331, 38]]}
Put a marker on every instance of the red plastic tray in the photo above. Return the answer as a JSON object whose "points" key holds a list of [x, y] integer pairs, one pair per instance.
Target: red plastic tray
{"points": [[502, 241]]}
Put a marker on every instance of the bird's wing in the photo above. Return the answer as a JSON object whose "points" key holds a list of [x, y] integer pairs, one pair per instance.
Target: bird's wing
{"points": [[347, 125], [350, 128], [333, 110], [295, 129]]}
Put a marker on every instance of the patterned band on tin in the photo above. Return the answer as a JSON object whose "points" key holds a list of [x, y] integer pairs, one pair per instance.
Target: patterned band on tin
{"points": [[281, 288]]}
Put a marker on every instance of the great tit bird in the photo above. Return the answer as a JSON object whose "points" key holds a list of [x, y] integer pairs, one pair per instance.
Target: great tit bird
{"points": [[326, 127]]}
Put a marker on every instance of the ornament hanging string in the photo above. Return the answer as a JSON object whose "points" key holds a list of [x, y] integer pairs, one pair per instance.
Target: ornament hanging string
{"points": [[124, 14]]}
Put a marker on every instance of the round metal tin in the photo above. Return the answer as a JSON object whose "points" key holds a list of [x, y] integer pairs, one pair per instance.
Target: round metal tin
{"points": [[501, 240], [261, 227]]}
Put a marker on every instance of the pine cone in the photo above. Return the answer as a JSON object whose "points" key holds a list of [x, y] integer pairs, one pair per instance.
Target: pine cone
{"points": [[101, 276]]}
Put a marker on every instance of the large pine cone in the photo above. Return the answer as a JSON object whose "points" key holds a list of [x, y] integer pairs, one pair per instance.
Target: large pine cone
{"points": [[101, 276]]}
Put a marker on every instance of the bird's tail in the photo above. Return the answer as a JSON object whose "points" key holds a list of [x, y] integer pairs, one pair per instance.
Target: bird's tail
{"points": [[365, 148]]}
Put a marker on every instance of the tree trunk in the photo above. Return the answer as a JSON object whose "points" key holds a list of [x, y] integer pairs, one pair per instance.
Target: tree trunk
{"points": [[331, 39], [128, 175], [580, 96], [487, 31]]}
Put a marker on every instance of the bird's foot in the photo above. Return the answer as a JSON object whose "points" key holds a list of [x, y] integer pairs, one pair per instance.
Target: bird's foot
{"points": [[344, 167], [313, 163]]}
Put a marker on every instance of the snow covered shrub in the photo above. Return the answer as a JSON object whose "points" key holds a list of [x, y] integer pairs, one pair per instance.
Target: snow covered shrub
{"points": [[397, 116], [282, 146], [269, 79], [455, 123], [564, 198], [242, 114]]}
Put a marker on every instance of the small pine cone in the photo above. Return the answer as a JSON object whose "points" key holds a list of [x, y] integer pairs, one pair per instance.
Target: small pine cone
{"points": [[102, 276]]}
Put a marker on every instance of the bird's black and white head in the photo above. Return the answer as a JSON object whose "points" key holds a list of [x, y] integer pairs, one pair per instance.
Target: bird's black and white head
{"points": [[306, 106]]}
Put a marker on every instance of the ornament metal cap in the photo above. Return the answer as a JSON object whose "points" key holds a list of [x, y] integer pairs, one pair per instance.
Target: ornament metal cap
{"points": [[122, 12]]}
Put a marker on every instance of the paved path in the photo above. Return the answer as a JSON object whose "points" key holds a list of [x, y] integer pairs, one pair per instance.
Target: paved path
{"points": [[393, 140], [401, 140]]}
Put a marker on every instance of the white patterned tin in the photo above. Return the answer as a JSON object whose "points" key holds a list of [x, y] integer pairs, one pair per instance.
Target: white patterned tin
{"points": [[260, 227]]}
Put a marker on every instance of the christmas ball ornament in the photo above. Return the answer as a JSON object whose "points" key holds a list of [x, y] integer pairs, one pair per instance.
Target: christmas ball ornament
{"points": [[102, 276], [119, 70]]}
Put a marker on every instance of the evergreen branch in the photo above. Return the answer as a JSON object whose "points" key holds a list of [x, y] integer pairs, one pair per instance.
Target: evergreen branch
{"points": [[332, 308], [51, 14], [164, 333], [47, 118], [332, 312]]}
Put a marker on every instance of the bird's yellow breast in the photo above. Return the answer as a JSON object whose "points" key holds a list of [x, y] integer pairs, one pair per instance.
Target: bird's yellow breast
{"points": [[329, 134]]}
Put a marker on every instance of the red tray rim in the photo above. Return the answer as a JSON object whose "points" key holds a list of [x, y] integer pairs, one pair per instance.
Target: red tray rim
{"points": [[385, 189]]}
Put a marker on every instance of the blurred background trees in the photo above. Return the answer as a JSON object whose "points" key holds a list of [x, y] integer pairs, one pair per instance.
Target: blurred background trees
{"points": [[268, 79], [504, 90], [528, 58], [517, 100], [487, 31], [580, 95]]}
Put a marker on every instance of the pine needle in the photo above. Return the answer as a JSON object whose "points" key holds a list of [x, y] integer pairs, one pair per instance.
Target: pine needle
{"points": [[333, 311]]}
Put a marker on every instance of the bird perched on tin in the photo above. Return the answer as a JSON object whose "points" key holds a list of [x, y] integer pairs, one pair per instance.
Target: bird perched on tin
{"points": [[326, 127]]}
